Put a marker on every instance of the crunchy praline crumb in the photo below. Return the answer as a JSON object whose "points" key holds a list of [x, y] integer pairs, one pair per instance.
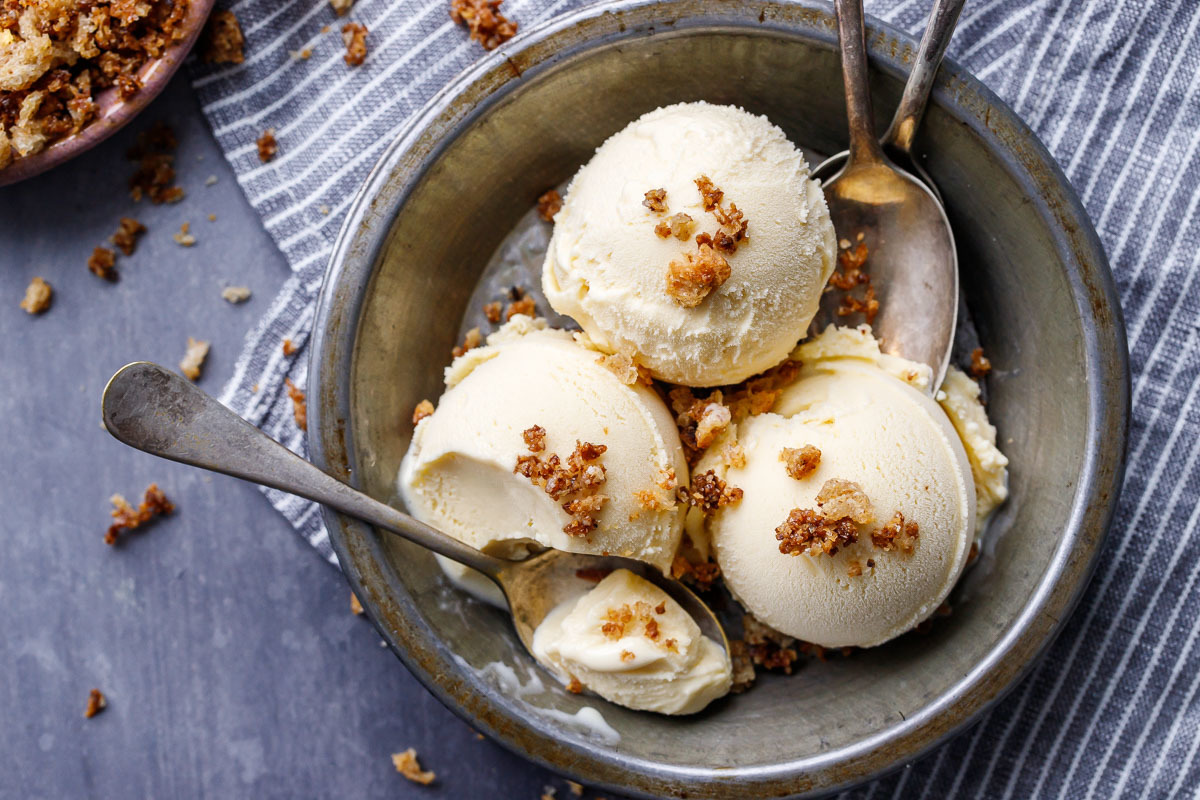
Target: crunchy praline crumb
{"points": [[223, 40], [656, 200], [839, 498], [354, 36], [483, 18], [128, 232], [697, 276], [126, 517], [184, 238], [235, 294], [299, 404], [897, 535], [678, 225], [424, 409], [102, 263], [710, 195], [522, 303], [267, 145], [193, 358], [341, 7], [981, 365], [407, 765], [289, 347], [800, 462], [709, 492], [355, 606], [700, 575], [492, 311], [807, 532], [549, 204], [582, 477], [38, 295], [96, 703], [471, 340]]}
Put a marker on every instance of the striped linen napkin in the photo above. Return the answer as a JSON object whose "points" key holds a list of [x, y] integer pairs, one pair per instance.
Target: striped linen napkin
{"points": [[1111, 87]]}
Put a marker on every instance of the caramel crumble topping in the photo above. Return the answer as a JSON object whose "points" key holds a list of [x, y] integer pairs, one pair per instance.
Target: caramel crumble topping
{"points": [[678, 225], [424, 409], [355, 606], [521, 303], [184, 238], [289, 347], [128, 232], [582, 476], [767, 647], [627, 656], [37, 296], [733, 455], [574, 686], [851, 276], [96, 703], [267, 146], [471, 340], [714, 419], [618, 621], [193, 358], [697, 276], [299, 404], [126, 517], [841, 498], [648, 500], [973, 553], [340, 7], [354, 36], [710, 195], [732, 230], [625, 368], [483, 18], [102, 263], [980, 364], [897, 535], [549, 204], [709, 492], [492, 311], [656, 201], [223, 40], [702, 576], [806, 531], [407, 765], [155, 173], [800, 461]]}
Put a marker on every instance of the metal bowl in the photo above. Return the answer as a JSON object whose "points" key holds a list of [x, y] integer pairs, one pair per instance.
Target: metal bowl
{"points": [[454, 183], [113, 113]]}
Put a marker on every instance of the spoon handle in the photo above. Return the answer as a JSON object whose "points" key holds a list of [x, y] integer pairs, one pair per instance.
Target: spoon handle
{"points": [[155, 410], [942, 19], [864, 147]]}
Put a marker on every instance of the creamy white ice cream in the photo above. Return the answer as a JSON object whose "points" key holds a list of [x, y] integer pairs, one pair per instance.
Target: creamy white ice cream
{"points": [[893, 442], [606, 267], [630, 643], [458, 472]]}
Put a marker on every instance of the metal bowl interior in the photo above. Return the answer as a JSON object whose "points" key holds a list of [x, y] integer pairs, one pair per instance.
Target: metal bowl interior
{"points": [[113, 113], [1036, 282]]}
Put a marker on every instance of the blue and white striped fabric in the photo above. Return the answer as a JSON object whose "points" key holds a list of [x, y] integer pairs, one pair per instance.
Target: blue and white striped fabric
{"points": [[1111, 86]]}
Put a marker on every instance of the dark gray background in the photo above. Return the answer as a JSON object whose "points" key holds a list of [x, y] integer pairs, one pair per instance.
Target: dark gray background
{"points": [[226, 647]]}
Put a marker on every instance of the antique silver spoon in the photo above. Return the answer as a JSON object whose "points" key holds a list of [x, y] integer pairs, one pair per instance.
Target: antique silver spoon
{"points": [[911, 262], [152, 409]]}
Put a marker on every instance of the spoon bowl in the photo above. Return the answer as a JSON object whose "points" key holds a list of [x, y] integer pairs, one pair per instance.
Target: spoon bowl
{"points": [[152, 409], [911, 268]]}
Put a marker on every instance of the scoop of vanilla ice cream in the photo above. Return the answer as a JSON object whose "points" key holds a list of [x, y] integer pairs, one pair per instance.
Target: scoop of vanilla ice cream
{"points": [[959, 398], [901, 451], [616, 642], [607, 268], [458, 472]]}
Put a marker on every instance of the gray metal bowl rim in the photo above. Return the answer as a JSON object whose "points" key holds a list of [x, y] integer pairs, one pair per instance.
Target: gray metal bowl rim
{"points": [[345, 287]]}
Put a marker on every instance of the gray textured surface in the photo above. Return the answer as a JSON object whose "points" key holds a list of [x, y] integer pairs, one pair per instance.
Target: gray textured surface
{"points": [[232, 664]]}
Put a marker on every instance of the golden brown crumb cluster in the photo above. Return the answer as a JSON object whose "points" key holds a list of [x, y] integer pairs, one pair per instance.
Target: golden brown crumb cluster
{"points": [[483, 18], [424, 409], [355, 606], [128, 232], [491, 311], [840, 498], [299, 404], [407, 765], [471, 340], [618, 621], [581, 476], [354, 36], [56, 55], [656, 201], [549, 204], [850, 277], [697, 276], [267, 146], [800, 462], [223, 40], [96, 703], [289, 347], [710, 195], [709, 492], [37, 296], [102, 263], [520, 302], [193, 358], [897, 535], [700, 575], [625, 368], [154, 152], [126, 517], [980, 364], [806, 531], [678, 225]]}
